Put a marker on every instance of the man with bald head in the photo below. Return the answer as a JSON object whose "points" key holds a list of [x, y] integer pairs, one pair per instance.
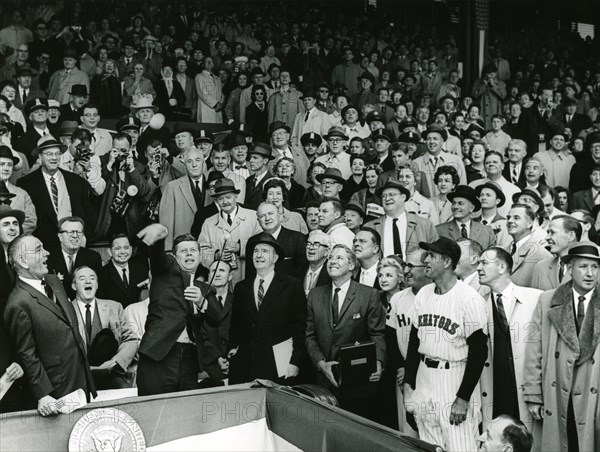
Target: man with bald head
{"points": [[43, 325]]}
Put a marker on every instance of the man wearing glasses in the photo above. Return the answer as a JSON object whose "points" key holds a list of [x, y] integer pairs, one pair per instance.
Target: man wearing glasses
{"points": [[102, 140], [336, 157], [72, 253], [55, 193], [317, 250]]}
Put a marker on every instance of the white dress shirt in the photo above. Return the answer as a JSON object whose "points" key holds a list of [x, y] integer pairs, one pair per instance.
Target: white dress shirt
{"points": [[35, 283], [341, 294], [586, 302], [388, 234], [311, 278], [368, 275], [81, 306], [267, 280]]}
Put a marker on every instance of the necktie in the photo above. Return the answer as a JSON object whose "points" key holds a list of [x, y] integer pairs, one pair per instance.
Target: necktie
{"points": [[198, 190], [127, 61], [48, 290], [220, 300], [335, 305], [484, 222], [229, 222], [561, 272], [513, 249], [580, 312], [239, 167], [54, 191], [396, 236], [125, 280], [463, 231], [515, 177], [24, 96], [71, 264], [309, 280], [501, 313], [261, 293], [435, 162], [88, 324], [306, 116]]}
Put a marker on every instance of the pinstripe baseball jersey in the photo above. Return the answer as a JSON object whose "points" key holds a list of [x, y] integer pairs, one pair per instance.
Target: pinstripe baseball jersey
{"points": [[445, 321], [401, 304]]}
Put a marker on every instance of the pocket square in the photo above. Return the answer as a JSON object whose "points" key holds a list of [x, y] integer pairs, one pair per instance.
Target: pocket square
{"points": [[356, 316]]}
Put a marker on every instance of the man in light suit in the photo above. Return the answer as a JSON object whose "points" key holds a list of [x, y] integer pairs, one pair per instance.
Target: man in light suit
{"points": [[510, 309], [280, 140], [549, 273], [227, 232], [268, 309], [21, 200], [317, 250], [258, 160], [183, 197], [344, 312], [587, 199], [525, 250], [42, 324], [464, 202], [312, 120], [411, 228], [95, 315], [466, 269]]}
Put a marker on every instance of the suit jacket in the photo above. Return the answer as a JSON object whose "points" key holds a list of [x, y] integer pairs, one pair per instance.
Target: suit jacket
{"points": [[254, 193], [484, 235], [48, 344], [282, 315], [32, 94], [583, 200], [519, 324], [317, 122], [68, 114], [201, 217], [293, 264], [545, 274], [525, 260], [356, 277], [58, 265], [163, 98], [112, 317], [28, 142], [417, 230], [127, 69], [112, 287], [47, 225], [23, 202], [177, 208], [216, 338], [361, 318], [169, 311], [322, 279], [521, 181]]}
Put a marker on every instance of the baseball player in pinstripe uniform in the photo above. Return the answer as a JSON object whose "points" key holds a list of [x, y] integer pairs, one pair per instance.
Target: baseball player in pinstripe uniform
{"points": [[446, 353]]}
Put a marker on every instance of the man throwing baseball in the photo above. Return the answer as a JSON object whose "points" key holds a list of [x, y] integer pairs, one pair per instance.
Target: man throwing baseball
{"points": [[447, 349]]}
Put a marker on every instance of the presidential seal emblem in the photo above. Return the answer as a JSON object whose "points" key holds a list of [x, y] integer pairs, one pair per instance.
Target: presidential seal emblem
{"points": [[107, 430]]}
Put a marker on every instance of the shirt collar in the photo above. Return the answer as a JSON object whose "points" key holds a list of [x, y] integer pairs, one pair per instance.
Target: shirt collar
{"points": [[344, 287]]}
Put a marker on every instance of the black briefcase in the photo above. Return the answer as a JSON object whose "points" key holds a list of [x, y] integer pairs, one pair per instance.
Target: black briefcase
{"points": [[357, 363]]}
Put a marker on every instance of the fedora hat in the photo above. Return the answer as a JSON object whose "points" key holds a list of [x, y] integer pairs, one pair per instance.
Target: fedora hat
{"points": [[47, 142], [309, 93], [24, 71], [366, 76], [224, 186], [434, 128], [236, 139], [474, 127], [261, 149], [70, 53], [276, 125], [356, 208], [532, 193], [391, 183], [67, 128], [445, 246], [184, 127], [586, 249], [142, 102], [37, 103], [495, 188], [6, 153], [7, 211], [336, 131], [268, 239], [331, 173], [79, 90], [213, 176], [466, 192]]}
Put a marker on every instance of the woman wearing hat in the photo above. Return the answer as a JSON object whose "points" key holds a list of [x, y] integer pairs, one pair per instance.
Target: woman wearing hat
{"points": [[276, 192], [105, 91]]}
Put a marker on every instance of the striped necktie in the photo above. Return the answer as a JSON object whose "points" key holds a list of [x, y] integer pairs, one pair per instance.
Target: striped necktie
{"points": [[54, 191]]}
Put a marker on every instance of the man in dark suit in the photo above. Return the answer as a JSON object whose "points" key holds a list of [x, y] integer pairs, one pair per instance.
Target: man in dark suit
{"points": [[587, 199], [573, 121], [56, 193], [367, 249], [71, 254], [514, 169], [25, 90], [344, 312], [170, 97], [317, 249], [171, 349], [258, 162], [464, 202], [122, 279], [268, 310], [293, 243], [42, 324], [37, 112], [216, 364], [208, 211], [73, 110]]}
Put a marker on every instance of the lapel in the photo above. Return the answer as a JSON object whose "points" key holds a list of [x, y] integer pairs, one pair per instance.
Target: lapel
{"points": [[114, 275], [410, 228], [103, 312], [43, 191], [226, 308], [186, 190], [453, 229], [522, 254], [44, 301], [562, 316], [588, 199], [250, 297], [348, 300], [589, 336], [80, 323]]}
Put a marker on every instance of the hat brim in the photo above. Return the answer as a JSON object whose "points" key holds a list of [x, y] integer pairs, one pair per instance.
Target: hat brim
{"points": [[224, 191], [569, 257], [322, 176], [278, 249], [136, 108], [403, 190], [433, 248], [442, 133], [499, 193], [36, 151], [473, 200], [382, 137], [328, 136], [37, 107], [284, 127], [250, 152], [18, 214]]}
